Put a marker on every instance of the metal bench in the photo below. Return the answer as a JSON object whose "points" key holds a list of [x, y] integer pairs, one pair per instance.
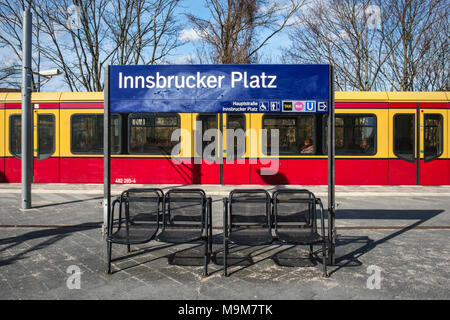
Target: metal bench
{"points": [[138, 221], [186, 219], [247, 220], [295, 220]]}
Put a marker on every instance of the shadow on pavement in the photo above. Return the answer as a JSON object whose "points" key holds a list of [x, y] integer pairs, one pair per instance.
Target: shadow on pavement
{"points": [[64, 203], [376, 214], [348, 248], [53, 234]]}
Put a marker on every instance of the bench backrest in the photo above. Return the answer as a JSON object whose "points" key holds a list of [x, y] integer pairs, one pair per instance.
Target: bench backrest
{"points": [[294, 208], [184, 208], [249, 207], [142, 206]]}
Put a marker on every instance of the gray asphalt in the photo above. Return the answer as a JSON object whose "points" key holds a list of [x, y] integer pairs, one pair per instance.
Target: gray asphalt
{"points": [[401, 231]]}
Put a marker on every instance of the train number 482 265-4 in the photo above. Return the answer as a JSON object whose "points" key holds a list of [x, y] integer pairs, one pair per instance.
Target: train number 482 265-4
{"points": [[125, 180]]}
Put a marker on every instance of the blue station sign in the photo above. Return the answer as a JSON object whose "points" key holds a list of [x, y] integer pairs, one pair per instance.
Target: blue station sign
{"points": [[220, 88]]}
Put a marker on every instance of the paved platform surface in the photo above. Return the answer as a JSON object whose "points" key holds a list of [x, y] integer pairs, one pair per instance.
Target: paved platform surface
{"points": [[403, 232]]}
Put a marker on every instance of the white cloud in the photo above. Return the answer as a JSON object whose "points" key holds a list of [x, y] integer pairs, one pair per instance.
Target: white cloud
{"points": [[189, 35]]}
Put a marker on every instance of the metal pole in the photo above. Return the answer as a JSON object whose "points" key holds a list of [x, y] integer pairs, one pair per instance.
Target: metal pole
{"points": [[27, 113], [221, 133], [331, 174], [418, 144], [107, 155]]}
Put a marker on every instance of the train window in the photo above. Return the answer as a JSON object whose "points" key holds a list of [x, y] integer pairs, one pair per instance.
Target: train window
{"points": [[15, 135], [356, 134], [116, 136], [87, 134], [152, 134], [296, 133], [404, 136], [207, 121], [433, 136], [46, 135], [236, 122]]}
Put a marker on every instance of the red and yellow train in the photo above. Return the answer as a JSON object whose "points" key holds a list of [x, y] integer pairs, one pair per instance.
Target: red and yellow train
{"points": [[382, 138]]}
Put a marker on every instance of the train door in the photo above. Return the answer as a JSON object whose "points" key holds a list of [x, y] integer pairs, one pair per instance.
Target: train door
{"points": [[46, 143], [13, 150], [418, 149], [403, 164], [2, 139], [433, 152], [236, 166], [206, 168]]}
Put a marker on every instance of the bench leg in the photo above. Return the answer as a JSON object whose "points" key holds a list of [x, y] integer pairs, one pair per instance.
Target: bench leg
{"points": [[225, 253], [205, 266], [210, 240], [108, 256], [324, 261], [128, 248], [225, 238], [311, 249]]}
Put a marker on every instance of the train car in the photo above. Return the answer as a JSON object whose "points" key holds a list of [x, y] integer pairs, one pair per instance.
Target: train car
{"points": [[419, 138], [382, 138], [46, 137], [411, 138], [2, 137]]}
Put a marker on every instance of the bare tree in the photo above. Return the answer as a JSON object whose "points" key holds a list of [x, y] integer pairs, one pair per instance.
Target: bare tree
{"points": [[144, 31], [11, 19], [237, 29], [387, 45], [418, 44], [76, 40], [9, 76], [82, 37], [348, 34], [434, 72]]}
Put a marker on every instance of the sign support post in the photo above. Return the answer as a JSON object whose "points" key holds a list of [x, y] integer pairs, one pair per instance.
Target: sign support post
{"points": [[221, 146], [331, 173], [107, 156]]}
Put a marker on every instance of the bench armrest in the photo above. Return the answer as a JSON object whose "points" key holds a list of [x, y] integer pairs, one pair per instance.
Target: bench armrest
{"points": [[225, 218], [322, 218], [111, 217]]}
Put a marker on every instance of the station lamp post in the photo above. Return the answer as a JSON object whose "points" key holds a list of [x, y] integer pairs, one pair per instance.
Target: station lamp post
{"points": [[27, 110], [27, 114]]}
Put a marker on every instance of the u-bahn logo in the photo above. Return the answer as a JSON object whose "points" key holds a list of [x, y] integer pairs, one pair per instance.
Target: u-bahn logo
{"points": [[310, 106]]}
